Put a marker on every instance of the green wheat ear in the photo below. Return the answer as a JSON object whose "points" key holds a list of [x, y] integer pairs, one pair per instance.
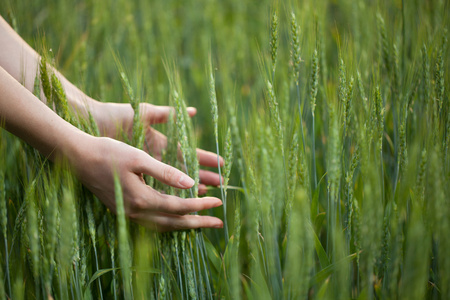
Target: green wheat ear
{"points": [[111, 242], [215, 115], [295, 44], [314, 80], [439, 74], [379, 117], [138, 134], [347, 105], [45, 81], [92, 234], [123, 242], [296, 60], [3, 206], [185, 130], [228, 160], [300, 240], [4, 219], [274, 42], [313, 93], [384, 43], [32, 227], [402, 152], [51, 210], [37, 86], [362, 93], [292, 175], [275, 114], [425, 90], [60, 100]]}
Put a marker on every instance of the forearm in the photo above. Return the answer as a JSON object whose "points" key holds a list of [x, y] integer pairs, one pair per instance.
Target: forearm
{"points": [[22, 63], [25, 116]]}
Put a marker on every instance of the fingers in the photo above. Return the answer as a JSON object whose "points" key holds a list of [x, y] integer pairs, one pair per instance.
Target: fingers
{"points": [[146, 164], [163, 222], [202, 189], [192, 111], [159, 209], [163, 212], [155, 114], [209, 178], [166, 213], [175, 205], [208, 159], [168, 223], [155, 142]]}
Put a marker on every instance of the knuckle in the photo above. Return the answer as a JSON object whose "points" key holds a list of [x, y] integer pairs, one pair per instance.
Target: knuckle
{"points": [[173, 206], [135, 161], [160, 203], [133, 216], [137, 205], [164, 224], [171, 224], [178, 223]]}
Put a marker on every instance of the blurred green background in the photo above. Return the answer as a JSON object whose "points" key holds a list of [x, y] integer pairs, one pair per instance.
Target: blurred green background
{"points": [[375, 225]]}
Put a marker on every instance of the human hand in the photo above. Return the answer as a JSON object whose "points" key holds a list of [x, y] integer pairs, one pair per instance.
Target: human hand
{"points": [[112, 118], [96, 160]]}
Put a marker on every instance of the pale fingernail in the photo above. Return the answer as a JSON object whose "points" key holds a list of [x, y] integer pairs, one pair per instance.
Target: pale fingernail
{"points": [[186, 181], [218, 225]]}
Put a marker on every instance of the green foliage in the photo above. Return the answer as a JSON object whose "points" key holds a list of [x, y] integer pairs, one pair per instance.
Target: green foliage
{"points": [[357, 210]]}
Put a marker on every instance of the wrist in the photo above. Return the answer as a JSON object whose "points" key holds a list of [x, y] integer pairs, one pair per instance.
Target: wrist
{"points": [[76, 147], [79, 102]]}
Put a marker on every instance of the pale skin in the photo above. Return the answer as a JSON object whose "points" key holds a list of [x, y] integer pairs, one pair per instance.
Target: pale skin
{"points": [[95, 160]]}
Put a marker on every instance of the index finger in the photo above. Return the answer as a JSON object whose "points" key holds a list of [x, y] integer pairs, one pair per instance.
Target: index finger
{"points": [[181, 206], [169, 175]]}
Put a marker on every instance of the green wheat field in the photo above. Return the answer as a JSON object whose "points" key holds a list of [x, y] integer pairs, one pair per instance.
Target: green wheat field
{"points": [[333, 118]]}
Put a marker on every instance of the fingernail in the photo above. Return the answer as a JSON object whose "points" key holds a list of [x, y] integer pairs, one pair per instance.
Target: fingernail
{"points": [[186, 181], [218, 203], [218, 225]]}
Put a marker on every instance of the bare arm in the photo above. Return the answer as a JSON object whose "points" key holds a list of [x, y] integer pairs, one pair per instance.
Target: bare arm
{"points": [[28, 118], [22, 63], [95, 160]]}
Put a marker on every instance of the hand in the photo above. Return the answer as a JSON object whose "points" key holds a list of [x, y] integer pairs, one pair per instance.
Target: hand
{"points": [[114, 117], [96, 160]]}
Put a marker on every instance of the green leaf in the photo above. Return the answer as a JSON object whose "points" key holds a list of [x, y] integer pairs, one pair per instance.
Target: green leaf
{"points": [[322, 275], [102, 272], [230, 251], [318, 221], [323, 289], [323, 258], [315, 202], [146, 270], [247, 290], [315, 199], [212, 254]]}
